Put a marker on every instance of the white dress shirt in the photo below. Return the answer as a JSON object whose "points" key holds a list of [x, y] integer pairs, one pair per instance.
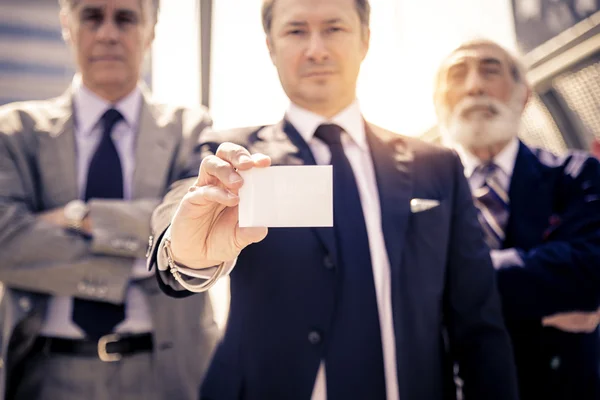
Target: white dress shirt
{"points": [[88, 109], [357, 151], [505, 160]]}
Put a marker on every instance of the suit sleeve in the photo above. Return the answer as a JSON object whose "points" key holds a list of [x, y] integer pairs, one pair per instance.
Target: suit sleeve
{"points": [[478, 338], [563, 273], [161, 217], [122, 228], [33, 252]]}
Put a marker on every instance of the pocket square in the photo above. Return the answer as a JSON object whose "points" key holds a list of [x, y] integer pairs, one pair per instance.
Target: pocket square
{"points": [[418, 205]]}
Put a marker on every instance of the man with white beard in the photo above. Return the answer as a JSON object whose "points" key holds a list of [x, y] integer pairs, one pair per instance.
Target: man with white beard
{"points": [[540, 216]]}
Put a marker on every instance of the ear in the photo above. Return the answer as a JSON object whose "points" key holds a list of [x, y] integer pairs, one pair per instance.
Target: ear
{"points": [[366, 40], [65, 25], [271, 49], [151, 36], [526, 96]]}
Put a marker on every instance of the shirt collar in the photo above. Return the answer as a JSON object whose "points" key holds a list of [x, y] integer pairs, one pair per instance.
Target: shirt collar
{"points": [[505, 160], [89, 107], [350, 120]]}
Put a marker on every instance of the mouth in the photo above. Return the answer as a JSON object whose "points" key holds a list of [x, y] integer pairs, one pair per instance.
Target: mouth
{"points": [[108, 58], [487, 110], [318, 74]]}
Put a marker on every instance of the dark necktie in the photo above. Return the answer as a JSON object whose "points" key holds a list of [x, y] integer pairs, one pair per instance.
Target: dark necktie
{"points": [[492, 203], [104, 181], [354, 355]]}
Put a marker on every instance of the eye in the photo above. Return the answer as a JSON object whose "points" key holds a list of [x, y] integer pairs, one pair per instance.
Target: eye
{"points": [[491, 71], [296, 32], [123, 19], [456, 74], [93, 17], [333, 29]]}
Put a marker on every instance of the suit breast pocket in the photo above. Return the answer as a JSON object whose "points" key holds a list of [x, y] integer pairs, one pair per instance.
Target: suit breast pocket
{"points": [[428, 232], [426, 252]]}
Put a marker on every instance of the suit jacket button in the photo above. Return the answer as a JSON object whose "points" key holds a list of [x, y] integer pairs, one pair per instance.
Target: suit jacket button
{"points": [[25, 304], [555, 363], [102, 291], [328, 262], [82, 287], [131, 245], [314, 337]]}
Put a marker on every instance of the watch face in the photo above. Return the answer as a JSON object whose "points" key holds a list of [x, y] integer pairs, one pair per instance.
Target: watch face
{"points": [[76, 210]]}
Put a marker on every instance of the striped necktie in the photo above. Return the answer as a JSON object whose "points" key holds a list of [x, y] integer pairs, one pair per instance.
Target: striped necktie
{"points": [[493, 204]]}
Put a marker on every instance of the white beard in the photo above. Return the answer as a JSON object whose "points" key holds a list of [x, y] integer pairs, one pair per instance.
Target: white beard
{"points": [[475, 130]]}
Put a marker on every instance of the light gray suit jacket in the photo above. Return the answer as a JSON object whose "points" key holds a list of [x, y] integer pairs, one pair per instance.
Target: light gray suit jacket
{"points": [[37, 173]]}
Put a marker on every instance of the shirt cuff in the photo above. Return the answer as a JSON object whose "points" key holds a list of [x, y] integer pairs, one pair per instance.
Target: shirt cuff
{"points": [[206, 273], [507, 258]]}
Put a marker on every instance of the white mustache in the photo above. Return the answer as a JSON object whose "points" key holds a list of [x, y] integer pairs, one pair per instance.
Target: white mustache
{"points": [[494, 106]]}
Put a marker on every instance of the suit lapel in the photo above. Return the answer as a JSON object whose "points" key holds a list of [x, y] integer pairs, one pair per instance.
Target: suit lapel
{"points": [[528, 186], [153, 153], [284, 144], [393, 171], [56, 157]]}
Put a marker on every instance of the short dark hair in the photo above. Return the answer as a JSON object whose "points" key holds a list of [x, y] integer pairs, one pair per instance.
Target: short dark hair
{"points": [[363, 7], [70, 4]]}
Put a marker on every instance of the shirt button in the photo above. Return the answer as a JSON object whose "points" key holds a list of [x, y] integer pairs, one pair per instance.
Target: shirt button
{"points": [[314, 337], [555, 363], [328, 262]]}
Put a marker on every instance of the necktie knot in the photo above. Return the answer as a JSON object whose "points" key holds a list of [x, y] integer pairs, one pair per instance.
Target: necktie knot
{"points": [[109, 120], [488, 170], [330, 134]]}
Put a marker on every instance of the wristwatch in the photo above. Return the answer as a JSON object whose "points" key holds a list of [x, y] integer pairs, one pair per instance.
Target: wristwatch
{"points": [[75, 211]]}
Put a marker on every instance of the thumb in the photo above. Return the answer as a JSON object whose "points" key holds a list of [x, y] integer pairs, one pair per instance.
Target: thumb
{"points": [[246, 236]]}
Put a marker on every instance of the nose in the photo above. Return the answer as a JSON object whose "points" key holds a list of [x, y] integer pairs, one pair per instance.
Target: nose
{"points": [[317, 49], [108, 31], [474, 84]]}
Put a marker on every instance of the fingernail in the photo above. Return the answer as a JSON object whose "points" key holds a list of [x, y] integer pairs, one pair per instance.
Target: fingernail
{"points": [[231, 195], [245, 159], [234, 177]]}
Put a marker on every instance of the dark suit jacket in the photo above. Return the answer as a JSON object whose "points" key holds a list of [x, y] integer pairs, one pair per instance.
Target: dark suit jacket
{"points": [[283, 288], [37, 259], [555, 221]]}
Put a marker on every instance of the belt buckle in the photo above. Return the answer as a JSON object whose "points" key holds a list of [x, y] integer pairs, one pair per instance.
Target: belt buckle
{"points": [[103, 343]]}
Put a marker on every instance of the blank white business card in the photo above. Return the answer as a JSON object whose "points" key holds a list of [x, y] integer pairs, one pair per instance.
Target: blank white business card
{"points": [[287, 196]]}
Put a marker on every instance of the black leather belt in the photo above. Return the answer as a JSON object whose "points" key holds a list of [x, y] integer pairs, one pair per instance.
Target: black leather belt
{"points": [[109, 348]]}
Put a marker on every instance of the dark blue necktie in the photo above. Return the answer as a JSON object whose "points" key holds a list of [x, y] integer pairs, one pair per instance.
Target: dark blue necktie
{"points": [[104, 181], [354, 356]]}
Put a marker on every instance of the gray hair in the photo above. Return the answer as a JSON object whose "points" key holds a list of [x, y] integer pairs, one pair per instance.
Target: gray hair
{"points": [[70, 4], [516, 67]]}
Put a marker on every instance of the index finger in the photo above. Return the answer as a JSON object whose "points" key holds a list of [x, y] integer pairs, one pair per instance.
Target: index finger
{"points": [[238, 156]]}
